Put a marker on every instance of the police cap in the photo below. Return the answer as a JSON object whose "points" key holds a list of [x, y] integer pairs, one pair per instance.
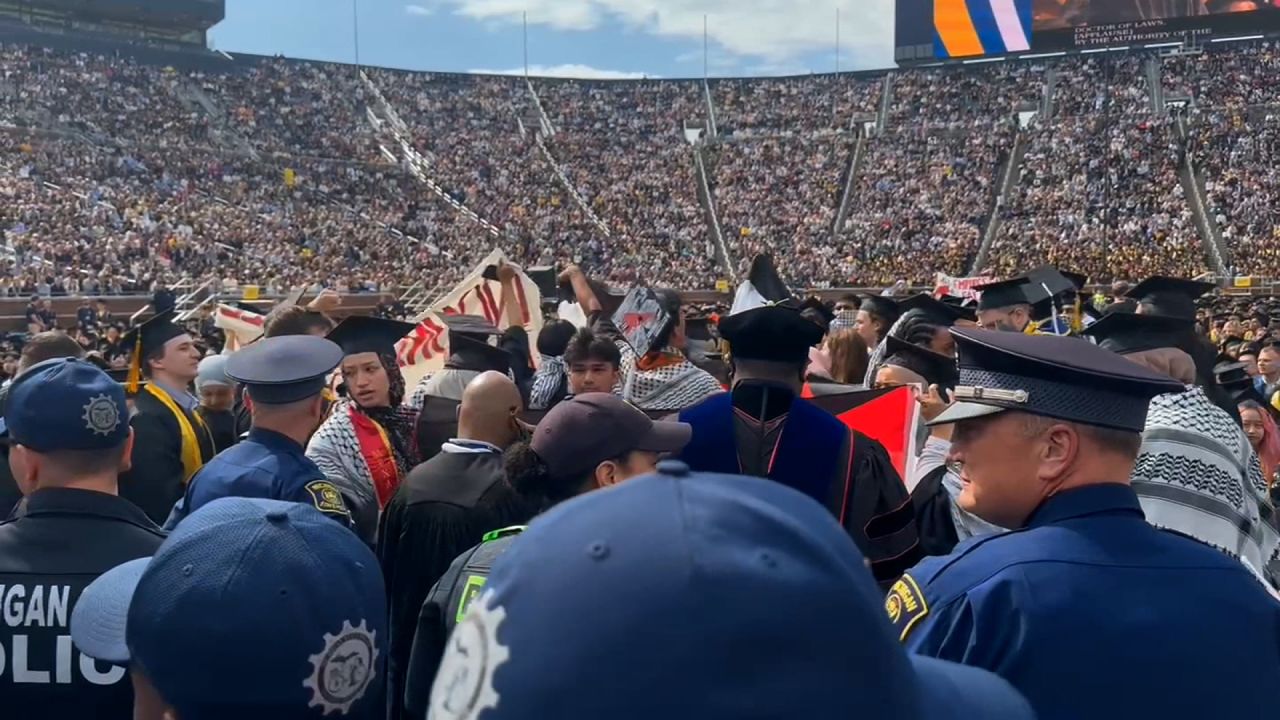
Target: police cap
{"points": [[66, 404], [284, 369], [1059, 377]]}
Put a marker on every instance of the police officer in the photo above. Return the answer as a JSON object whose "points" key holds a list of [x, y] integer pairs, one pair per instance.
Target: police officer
{"points": [[70, 440], [1085, 607], [284, 379], [591, 441]]}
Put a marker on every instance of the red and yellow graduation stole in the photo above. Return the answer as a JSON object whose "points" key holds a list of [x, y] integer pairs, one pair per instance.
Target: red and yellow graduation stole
{"points": [[375, 448]]}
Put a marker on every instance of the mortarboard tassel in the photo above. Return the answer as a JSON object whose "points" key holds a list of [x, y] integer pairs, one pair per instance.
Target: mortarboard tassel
{"points": [[134, 378], [1077, 320]]}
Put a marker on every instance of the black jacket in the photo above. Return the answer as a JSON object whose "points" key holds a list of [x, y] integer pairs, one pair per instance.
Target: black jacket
{"points": [[63, 541], [156, 482]]}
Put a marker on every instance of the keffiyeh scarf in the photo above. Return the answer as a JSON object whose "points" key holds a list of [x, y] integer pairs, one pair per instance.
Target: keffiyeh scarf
{"points": [[1197, 475], [548, 381]]}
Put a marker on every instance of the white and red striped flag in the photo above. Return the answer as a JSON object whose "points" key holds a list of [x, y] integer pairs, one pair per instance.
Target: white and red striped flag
{"points": [[426, 348]]}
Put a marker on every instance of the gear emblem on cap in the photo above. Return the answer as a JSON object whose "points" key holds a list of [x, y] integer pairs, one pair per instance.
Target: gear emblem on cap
{"points": [[342, 671], [464, 685], [101, 416]]}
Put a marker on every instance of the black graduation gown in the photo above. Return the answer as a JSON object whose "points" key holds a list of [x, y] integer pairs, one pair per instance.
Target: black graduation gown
{"points": [[155, 481], [852, 475], [932, 505], [222, 425], [443, 507]]}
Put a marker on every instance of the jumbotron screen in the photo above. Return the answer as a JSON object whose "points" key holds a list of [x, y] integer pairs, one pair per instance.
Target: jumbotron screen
{"points": [[943, 29]]}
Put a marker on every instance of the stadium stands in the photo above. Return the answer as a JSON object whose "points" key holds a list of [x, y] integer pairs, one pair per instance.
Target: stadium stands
{"points": [[270, 171]]}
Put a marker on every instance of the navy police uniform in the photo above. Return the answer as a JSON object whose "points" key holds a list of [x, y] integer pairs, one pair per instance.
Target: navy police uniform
{"points": [[1087, 609], [64, 539], [270, 464]]}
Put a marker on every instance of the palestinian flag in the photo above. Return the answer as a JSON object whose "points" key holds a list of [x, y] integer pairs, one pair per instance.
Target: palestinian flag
{"points": [[763, 286]]}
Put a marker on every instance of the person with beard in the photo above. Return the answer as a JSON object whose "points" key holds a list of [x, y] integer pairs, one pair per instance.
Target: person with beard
{"points": [[367, 445], [172, 440], [1006, 306], [763, 427]]}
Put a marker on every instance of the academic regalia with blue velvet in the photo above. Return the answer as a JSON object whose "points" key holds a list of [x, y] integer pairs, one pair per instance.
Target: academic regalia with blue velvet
{"points": [[765, 430]]}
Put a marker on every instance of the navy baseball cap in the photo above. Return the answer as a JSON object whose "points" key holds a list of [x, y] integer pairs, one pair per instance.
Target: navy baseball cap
{"points": [[250, 609], [707, 596], [66, 404]]}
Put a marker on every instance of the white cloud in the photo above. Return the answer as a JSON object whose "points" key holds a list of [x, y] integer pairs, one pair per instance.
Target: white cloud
{"points": [[774, 31], [569, 70], [418, 10]]}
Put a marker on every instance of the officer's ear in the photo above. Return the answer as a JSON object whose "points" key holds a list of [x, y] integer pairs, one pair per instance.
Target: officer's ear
{"points": [[24, 467], [126, 457]]}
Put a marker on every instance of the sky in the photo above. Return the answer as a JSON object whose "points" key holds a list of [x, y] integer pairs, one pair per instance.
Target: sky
{"points": [[571, 38]]}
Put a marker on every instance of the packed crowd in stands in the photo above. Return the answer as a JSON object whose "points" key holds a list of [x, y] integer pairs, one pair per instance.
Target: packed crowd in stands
{"points": [[1100, 195], [1238, 156], [271, 172], [923, 198]]}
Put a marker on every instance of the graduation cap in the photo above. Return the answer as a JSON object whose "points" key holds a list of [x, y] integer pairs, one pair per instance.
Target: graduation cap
{"points": [[1125, 333], [1171, 297], [880, 306], [365, 334], [469, 346], [940, 311], [778, 333], [1056, 282], [644, 317], [935, 368], [144, 340], [1006, 293], [1233, 377], [818, 311]]}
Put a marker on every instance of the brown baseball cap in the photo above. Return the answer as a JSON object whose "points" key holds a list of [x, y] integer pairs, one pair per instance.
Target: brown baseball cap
{"points": [[588, 429]]}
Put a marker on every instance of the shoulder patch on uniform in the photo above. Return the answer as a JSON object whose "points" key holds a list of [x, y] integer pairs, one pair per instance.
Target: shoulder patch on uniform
{"points": [[472, 590], [503, 532], [905, 605], [326, 497]]}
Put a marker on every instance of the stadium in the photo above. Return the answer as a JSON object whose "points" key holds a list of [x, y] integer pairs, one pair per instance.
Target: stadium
{"points": [[133, 154]]}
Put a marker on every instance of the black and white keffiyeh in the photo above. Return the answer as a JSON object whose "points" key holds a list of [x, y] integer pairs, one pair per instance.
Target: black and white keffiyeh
{"points": [[548, 381], [1197, 475], [673, 386]]}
